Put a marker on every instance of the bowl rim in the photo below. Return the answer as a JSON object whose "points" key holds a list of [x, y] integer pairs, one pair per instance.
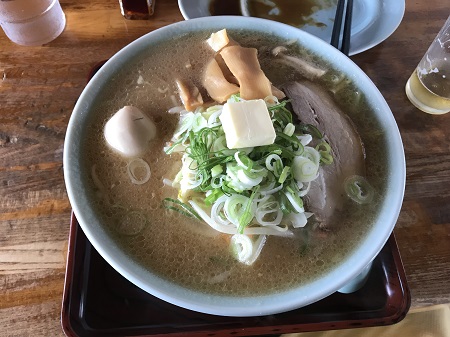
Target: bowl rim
{"points": [[220, 304]]}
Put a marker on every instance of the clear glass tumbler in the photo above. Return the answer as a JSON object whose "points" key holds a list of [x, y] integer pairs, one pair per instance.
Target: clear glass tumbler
{"points": [[428, 88], [32, 22]]}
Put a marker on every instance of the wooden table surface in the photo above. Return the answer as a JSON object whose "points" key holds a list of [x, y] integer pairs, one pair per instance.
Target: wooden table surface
{"points": [[40, 85]]}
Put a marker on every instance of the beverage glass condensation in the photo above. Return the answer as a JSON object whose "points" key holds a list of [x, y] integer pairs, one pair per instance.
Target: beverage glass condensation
{"points": [[428, 88], [32, 22]]}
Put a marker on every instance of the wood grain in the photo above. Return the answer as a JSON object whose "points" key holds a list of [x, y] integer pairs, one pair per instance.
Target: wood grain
{"points": [[40, 85], [423, 228]]}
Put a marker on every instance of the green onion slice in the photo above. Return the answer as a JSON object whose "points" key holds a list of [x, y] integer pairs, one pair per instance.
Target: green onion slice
{"points": [[180, 207], [359, 189]]}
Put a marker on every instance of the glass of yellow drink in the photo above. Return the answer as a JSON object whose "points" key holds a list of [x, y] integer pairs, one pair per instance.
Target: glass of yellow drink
{"points": [[428, 88]]}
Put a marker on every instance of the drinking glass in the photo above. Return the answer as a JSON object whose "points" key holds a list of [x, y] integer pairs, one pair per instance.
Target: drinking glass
{"points": [[32, 22], [428, 88]]}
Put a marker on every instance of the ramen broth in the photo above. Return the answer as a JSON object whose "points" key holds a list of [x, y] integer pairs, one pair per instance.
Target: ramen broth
{"points": [[186, 251]]}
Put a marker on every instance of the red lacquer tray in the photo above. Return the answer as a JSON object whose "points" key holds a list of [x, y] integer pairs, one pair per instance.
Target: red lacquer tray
{"points": [[98, 301]]}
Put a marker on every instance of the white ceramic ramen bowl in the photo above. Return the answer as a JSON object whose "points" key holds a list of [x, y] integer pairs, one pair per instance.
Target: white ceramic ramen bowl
{"points": [[225, 305]]}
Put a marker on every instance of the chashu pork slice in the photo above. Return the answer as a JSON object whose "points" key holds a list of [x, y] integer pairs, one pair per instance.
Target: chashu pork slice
{"points": [[314, 105]]}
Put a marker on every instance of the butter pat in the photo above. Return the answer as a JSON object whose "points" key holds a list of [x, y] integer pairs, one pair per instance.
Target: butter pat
{"points": [[247, 124]]}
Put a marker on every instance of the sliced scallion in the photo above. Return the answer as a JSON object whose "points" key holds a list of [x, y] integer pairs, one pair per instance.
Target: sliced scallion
{"points": [[180, 207], [359, 189]]}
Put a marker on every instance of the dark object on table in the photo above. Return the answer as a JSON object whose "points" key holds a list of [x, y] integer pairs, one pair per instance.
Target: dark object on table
{"points": [[345, 43], [137, 9]]}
